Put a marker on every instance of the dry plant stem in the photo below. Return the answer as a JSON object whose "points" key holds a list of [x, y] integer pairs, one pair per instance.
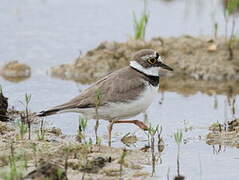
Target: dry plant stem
{"points": [[230, 50], [226, 24], [96, 130], [97, 103], [96, 124], [153, 154], [160, 140], [122, 158], [138, 123], [178, 139], [12, 150], [25, 161], [234, 107], [178, 164], [83, 176], [27, 101], [66, 161], [41, 129], [28, 123], [34, 148], [215, 30], [231, 54], [168, 173]]}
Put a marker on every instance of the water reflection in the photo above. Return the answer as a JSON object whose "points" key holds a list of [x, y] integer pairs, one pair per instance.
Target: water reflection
{"points": [[231, 100], [15, 79], [161, 98], [222, 17], [216, 149], [215, 102]]}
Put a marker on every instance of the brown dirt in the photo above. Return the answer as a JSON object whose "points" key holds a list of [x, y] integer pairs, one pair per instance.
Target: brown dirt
{"points": [[200, 59], [92, 161]]}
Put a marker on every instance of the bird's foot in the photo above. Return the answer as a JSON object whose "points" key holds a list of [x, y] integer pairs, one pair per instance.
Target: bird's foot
{"points": [[141, 125]]}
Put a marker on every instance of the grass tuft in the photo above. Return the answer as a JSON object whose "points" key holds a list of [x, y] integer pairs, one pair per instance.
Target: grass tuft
{"points": [[232, 6], [140, 24], [22, 128]]}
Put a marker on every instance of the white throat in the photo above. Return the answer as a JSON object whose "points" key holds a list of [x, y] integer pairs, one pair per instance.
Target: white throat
{"points": [[153, 71]]}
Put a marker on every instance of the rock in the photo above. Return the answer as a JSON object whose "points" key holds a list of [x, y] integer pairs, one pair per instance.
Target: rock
{"points": [[233, 125], [93, 166], [14, 69], [47, 171], [3, 107], [73, 163], [56, 131], [179, 177], [129, 139], [4, 128], [112, 171], [140, 174], [212, 48]]}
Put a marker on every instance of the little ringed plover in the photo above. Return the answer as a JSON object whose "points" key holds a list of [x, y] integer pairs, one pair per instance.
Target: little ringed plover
{"points": [[123, 93]]}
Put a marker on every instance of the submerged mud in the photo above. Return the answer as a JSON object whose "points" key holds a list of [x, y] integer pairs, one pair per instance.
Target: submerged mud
{"points": [[200, 59]]}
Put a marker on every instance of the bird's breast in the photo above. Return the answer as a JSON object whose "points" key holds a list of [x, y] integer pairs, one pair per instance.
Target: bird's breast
{"points": [[130, 108]]}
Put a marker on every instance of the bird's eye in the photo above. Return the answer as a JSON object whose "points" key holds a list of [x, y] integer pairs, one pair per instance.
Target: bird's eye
{"points": [[152, 60]]}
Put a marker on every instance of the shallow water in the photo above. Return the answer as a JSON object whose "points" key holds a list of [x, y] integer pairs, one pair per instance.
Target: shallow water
{"points": [[44, 33]]}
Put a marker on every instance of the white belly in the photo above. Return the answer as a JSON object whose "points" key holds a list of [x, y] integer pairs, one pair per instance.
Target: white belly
{"points": [[119, 111]]}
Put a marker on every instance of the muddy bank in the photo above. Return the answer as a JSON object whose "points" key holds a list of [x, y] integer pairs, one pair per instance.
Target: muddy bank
{"points": [[226, 134], [197, 58], [58, 156], [15, 71]]}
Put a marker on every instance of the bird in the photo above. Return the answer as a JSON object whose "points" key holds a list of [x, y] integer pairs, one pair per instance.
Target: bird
{"points": [[121, 94]]}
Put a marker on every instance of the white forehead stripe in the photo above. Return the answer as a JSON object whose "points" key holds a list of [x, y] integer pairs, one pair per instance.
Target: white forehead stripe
{"points": [[154, 55], [152, 71]]}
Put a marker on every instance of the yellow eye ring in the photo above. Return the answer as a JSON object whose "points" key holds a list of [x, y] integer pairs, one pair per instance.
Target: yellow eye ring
{"points": [[152, 60]]}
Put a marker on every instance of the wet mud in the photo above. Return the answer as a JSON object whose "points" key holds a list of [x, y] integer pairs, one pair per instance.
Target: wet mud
{"points": [[226, 134], [58, 156]]}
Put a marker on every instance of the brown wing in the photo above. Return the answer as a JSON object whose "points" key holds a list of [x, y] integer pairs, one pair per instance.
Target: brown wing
{"points": [[120, 86]]}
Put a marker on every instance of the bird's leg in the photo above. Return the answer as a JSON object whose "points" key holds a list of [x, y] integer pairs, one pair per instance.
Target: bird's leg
{"points": [[110, 127], [138, 123]]}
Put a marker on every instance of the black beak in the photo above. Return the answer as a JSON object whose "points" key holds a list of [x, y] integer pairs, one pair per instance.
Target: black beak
{"points": [[164, 66]]}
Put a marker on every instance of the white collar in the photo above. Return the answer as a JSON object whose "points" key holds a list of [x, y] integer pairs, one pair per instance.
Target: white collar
{"points": [[153, 71]]}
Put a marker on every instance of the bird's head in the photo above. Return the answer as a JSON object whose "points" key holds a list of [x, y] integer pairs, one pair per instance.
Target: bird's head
{"points": [[149, 62]]}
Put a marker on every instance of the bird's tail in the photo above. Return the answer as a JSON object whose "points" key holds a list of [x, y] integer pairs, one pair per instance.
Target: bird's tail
{"points": [[57, 109], [48, 112]]}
